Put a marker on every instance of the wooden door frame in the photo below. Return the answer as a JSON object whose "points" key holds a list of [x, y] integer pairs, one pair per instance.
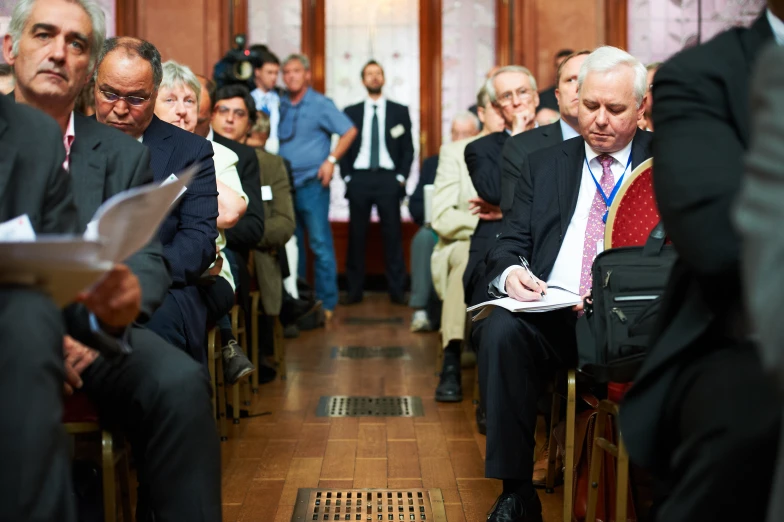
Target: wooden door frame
{"points": [[314, 40], [430, 73]]}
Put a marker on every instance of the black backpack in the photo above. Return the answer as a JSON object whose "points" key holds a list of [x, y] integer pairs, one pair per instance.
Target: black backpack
{"points": [[613, 334]]}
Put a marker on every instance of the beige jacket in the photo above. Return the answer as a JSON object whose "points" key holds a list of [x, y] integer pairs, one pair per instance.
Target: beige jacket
{"points": [[452, 220]]}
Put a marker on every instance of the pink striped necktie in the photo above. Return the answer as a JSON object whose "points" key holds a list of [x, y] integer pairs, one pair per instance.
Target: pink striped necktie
{"points": [[594, 232]]}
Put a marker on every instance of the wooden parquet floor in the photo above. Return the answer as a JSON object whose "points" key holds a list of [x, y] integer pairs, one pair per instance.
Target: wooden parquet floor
{"points": [[268, 458]]}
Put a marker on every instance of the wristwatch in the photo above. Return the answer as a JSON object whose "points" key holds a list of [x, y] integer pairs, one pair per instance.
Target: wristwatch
{"points": [[332, 159]]}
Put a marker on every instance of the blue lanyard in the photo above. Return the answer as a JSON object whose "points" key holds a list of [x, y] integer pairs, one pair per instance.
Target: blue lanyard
{"points": [[608, 199]]}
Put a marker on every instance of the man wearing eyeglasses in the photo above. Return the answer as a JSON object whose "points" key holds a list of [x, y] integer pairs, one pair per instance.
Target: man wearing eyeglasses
{"points": [[157, 393], [129, 73]]}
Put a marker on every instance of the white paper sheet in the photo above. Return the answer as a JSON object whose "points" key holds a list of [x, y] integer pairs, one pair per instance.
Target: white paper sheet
{"points": [[555, 299], [63, 266]]}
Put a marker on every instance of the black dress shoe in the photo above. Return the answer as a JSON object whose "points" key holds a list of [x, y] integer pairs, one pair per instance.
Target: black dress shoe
{"points": [[449, 387], [510, 507], [350, 300]]}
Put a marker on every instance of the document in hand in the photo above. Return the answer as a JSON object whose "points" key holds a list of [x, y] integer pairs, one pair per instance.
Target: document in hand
{"points": [[65, 265], [555, 299]]}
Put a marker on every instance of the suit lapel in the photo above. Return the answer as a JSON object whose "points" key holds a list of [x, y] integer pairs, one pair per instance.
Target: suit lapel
{"points": [[88, 170], [156, 138], [569, 172], [752, 42], [641, 147]]}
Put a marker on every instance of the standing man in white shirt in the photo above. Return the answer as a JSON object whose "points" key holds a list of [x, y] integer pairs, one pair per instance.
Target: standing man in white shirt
{"points": [[375, 169], [266, 93], [556, 225]]}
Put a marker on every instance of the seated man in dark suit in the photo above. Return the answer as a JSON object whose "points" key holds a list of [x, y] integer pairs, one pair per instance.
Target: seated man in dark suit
{"points": [[36, 471], [517, 149], [702, 416], [103, 162], [464, 125], [512, 90], [128, 75], [556, 224], [375, 169]]}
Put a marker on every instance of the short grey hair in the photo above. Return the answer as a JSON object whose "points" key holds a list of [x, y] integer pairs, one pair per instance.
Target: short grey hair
{"points": [[490, 82], [24, 8], [301, 58], [135, 47], [176, 74], [607, 58], [466, 116]]}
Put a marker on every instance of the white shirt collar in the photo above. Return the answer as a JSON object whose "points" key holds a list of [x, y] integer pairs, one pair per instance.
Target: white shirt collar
{"points": [[210, 135], [567, 131], [621, 156], [381, 102], [778, 27]]}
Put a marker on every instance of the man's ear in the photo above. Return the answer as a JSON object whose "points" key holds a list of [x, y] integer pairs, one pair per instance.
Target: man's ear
{"points": [[8, 46], [480, 113]]}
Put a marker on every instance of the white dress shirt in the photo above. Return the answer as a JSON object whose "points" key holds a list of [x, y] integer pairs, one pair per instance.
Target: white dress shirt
{"points": [[568, 264], [363, 158], [567, 132], [271, 101], [778, 27]]}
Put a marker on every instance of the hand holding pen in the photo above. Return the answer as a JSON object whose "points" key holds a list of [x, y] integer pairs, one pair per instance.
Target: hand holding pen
{"points": [[523, 285]]}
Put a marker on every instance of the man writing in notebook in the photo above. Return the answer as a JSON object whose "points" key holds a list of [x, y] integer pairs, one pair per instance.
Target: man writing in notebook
{"points": [[556, 225]]}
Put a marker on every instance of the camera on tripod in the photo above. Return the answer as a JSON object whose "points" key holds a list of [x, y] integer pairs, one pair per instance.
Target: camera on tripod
{"points": [[238, 65]]}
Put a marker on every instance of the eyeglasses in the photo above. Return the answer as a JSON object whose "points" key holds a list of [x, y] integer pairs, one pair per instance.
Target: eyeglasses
{"points": [[507, 98], [238, 113], [134, 101]]}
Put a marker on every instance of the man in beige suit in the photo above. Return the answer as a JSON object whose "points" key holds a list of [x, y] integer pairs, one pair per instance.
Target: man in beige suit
{"points": [[454, 223]]}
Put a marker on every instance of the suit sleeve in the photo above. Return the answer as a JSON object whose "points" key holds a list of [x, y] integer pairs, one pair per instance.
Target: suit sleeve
{"points": [[280, 223], [484, 172], [407, 145], [515, 238], [698, 158], [148, 264], [250, 228], [512, 159], [192, 250], [760, 212], [449, 221], [416, 203]]}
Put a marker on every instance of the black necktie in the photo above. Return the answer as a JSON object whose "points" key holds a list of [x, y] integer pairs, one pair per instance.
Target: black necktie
{"points": [[374, 140]]}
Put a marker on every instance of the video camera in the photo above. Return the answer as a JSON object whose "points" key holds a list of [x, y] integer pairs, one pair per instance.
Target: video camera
{"points": [[237, 66]]}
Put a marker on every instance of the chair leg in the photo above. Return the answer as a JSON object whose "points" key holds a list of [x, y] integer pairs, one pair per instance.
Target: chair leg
{"points": [[597, 460], [220, 394], [211, 366], [125, 488], [622, 488], [280, 348], [255, 353], [552, 445], [109, 485], [571, 412]]}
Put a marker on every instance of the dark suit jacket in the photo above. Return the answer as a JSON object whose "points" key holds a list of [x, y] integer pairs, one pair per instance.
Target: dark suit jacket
{"points": [[401, 149], [545, 201], [33, 182], [483, 157], [105, 162], [701, 117], [249, 230], [547, 99], [427, 176], [188, 234], [515, 153]]}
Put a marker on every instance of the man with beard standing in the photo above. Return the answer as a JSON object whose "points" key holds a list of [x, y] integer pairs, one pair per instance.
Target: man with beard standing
{"points": [[375, 169]]}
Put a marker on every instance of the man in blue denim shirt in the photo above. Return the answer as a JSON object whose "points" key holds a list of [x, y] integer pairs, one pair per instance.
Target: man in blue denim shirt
{"points": [[307, 122]]}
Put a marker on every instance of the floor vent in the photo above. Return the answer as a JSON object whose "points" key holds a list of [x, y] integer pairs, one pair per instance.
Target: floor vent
{"points": [[373, 320], [370, 352], [348, 406], [386, 505]]}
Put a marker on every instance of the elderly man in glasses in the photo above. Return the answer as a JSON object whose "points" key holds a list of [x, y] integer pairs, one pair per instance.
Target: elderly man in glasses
{"points": [[128, 76]]}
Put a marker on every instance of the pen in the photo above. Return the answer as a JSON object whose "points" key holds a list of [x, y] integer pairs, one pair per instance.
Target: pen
{"points": [[528, 269]]}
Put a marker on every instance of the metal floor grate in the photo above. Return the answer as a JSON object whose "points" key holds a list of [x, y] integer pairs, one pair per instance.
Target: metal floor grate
{"points": [[370, 352], [347, 406], [369, 504], [373, 320]]}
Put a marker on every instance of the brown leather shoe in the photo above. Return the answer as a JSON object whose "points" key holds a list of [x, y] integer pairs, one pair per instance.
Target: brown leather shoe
{"points": [[540, 468]]}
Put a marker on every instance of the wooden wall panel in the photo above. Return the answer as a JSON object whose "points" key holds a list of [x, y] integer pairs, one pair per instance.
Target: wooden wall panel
{"points": [[430, 24], [314, 40]]}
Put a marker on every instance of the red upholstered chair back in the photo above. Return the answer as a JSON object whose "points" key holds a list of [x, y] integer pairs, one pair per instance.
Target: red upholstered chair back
{"points": [[633, 213]]}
